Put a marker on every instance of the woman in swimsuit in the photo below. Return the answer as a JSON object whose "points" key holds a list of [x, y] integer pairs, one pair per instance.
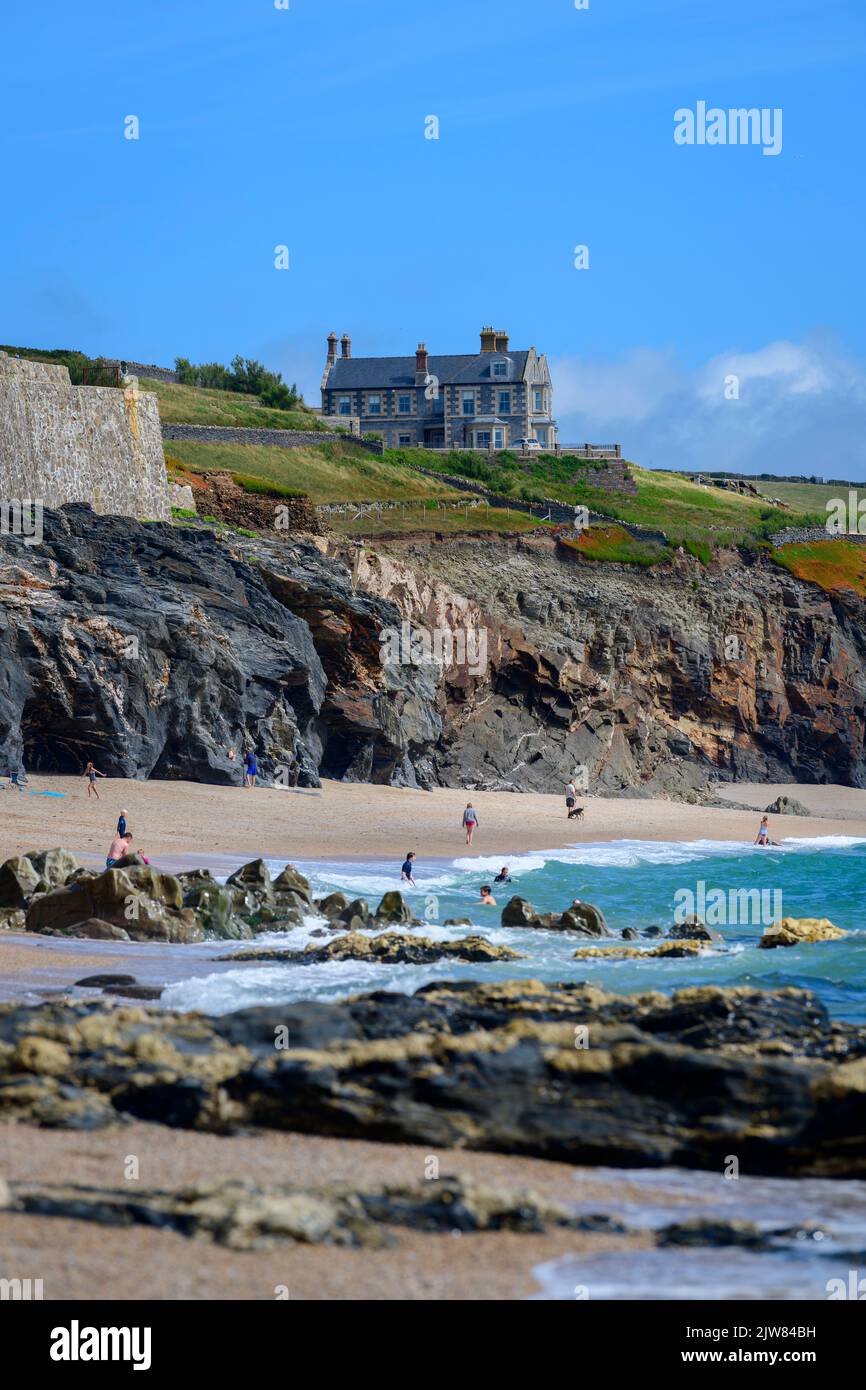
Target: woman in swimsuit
{"points": [[91, 774]]}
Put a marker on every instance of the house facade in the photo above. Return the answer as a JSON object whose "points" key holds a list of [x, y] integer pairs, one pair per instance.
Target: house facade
{"points": [[489, 399]]}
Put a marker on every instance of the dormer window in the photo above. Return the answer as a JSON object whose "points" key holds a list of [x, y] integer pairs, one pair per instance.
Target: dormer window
{"points": [[500, 368]]}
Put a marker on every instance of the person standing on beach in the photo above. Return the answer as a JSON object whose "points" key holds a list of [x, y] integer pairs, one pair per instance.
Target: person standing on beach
{"points": [[121, 824], [406, 871], [251, 768], [570, 798], [91, 773], [470, 820]]}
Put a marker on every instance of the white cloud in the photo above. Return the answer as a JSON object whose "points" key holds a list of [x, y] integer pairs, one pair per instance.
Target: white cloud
{"points": [[801, 408]]}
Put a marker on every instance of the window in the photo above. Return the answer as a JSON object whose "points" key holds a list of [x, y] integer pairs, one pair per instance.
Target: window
{"points": [[504, 406], [345, 405], [497, 439], [539, 399], [468, 402], [482, 439], [500, 369], [404, 404], [541, 436], [374, 405], [405, 438]]}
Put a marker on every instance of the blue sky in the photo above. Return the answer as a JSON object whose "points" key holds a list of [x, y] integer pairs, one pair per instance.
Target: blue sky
{"points": [[305, 127]]}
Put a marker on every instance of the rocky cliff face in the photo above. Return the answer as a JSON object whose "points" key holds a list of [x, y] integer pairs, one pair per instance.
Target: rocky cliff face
{"points": [[155, 649], [652, 681]]}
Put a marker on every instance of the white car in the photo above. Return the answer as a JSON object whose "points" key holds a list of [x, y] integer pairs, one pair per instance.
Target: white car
{"points": [[528, 445]]}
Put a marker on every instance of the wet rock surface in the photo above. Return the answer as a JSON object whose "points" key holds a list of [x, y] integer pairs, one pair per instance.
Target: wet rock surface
{"points": [[244, 1216], [686, 1079], [796, 931], [389, 948]]}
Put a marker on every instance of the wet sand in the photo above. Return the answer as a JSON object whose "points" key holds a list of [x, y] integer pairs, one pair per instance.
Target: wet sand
{"points": [[83, 1260], [180, 824]]}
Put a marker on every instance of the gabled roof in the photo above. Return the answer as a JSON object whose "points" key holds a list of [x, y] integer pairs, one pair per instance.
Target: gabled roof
{"points": [[463, 369]]}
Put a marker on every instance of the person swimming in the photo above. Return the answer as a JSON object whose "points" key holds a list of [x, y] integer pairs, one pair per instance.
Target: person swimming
{"points": [[487, 898], [503, 876]]}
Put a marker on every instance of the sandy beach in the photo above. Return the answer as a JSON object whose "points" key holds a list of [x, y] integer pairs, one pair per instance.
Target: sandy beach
{"points": [[94, 1261], [180, 824]]}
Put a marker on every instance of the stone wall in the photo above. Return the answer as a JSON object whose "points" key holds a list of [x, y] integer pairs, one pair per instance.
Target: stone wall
{"points": [[283, 439], [145, 369], [62, 443]]}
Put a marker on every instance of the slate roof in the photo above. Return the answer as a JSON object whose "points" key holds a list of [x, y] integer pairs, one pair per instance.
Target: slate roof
{"points": [[366, 373]]}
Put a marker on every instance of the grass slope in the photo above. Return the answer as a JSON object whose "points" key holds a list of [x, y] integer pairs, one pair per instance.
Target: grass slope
{"points": [[831, 564], [192, 405], [334, 472]]}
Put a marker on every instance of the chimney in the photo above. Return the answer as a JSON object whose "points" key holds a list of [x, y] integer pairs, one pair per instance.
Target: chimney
{"points": [[488, 340], [501, 341], [332, 349], [346, 345], [421, 371]]}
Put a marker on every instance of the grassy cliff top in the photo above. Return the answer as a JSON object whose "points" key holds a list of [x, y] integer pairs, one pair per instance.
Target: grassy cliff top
{"points": [[195, 405]]}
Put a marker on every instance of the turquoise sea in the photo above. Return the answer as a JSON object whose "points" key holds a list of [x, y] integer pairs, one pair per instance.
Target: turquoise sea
{"points": [[635, 883]]}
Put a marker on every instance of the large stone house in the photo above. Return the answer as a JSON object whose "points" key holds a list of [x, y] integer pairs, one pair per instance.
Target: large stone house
{"points": [[481, 400]]}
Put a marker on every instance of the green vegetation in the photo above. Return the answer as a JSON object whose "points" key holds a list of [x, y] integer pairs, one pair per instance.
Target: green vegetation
{"points": [[831, 564], [808, 497], [688, 513], [428, 517], [245, 376], [78, 364], [190, 405], [333, 472], [615, 545], [250, 483]]}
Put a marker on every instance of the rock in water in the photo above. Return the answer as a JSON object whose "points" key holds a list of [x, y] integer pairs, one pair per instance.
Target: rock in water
{"points": [[585, 919], [517, 912], [389, 948], [693, 929], [668, 950], [795, 931], [393, 908]]}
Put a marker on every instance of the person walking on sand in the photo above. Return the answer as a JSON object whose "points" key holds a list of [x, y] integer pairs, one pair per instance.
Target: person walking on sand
{"points": [[570, 798], [251, 768], [406, 871], [121, 824], [91, 773], [470, 820]]}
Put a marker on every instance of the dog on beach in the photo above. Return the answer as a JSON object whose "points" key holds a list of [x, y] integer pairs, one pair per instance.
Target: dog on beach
{"points": [[576, 812]]}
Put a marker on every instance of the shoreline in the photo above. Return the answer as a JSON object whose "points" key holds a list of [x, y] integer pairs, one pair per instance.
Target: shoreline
{"points": [[181, 824]]}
